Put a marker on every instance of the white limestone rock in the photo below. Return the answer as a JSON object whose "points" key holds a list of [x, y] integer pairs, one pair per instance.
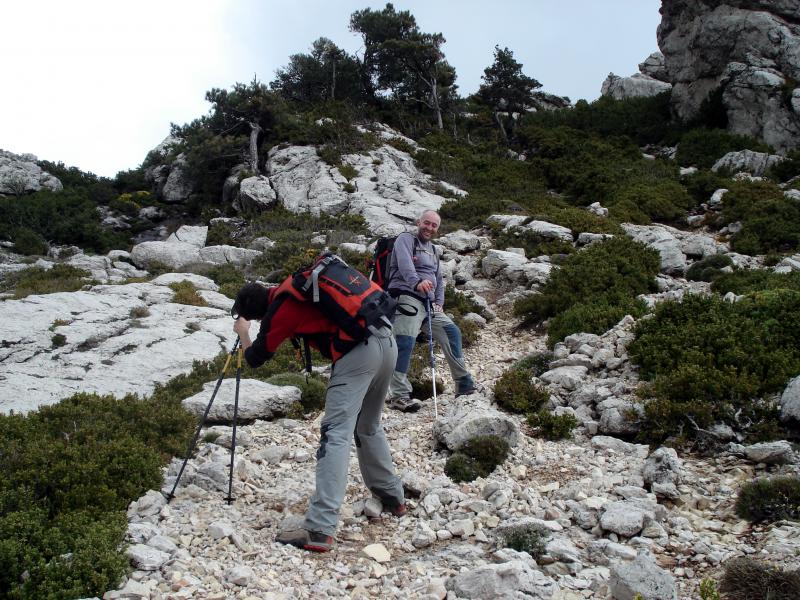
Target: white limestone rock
{"points": [[257, 400], [190, 234]]}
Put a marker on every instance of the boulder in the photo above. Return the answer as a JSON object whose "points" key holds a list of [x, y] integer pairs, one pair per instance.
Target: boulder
{"points": [[471, 417], [755, 163], [512, 579], [174, 255], [790, 401], [190, 234], [638, 85], [569, 378], [744, 51], [223, 255], [460, 241], [641, 578], [663, 467], [548, 230], [496, 261], [623, 518], [655, 67], [178, 186], [257, 400], [673, 261], [19, 174], [255, 195]]}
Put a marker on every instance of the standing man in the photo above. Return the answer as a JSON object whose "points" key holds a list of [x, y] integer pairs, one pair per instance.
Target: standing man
{"points": [[416, 281], [353, 403]]}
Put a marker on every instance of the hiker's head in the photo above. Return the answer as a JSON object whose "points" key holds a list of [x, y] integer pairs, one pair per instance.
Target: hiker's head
{"points": [[251, 302], [428, 225]]}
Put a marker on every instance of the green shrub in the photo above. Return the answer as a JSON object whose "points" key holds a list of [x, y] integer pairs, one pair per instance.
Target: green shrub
{"points": [[348, 171], [229, 278], [748, 579], [702, 185], [69, 472], [460, 467], [645, 201], [36, 280], [219, 234], [28, 242], [63, 218], [593, 288], [312, 389], [551, 426], [349, 188], [709, 268], [708, 590], [743, 281], [769, 500], [787, 168], [710, 361], [536, 363], [770, 221], [515, 392], [477, 457], [419, 373], [526, 538], [703, 147], [186, 293], [58, 340], [533, 243]]}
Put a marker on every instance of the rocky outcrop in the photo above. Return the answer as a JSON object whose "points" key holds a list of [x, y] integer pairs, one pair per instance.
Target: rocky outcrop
{"points": [[654, 66], [19, 174], [744, 50], [635, 86], [755, 163], [388, 190]]}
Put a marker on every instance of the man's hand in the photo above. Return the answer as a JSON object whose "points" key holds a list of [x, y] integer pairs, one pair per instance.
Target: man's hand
{"points": [[425, 287], [242, 327]]}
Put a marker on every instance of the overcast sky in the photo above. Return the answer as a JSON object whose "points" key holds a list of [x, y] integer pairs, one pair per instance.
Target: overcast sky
{"points": [[96, 83]]}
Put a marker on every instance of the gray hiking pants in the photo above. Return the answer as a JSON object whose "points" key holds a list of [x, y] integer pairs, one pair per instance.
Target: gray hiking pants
{"points": [[353, 405], [406, 329]]}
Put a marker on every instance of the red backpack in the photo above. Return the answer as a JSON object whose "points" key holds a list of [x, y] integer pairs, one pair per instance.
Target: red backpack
{"points": [[358, 306]]}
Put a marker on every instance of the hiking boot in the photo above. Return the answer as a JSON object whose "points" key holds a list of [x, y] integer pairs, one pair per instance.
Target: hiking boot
{"points": [[404, 404], [465, 386], [307, 540], [398, 510]]}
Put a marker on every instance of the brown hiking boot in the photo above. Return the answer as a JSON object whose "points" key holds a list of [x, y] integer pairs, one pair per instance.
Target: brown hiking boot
{"points": [[307, 540], [398, 510]]}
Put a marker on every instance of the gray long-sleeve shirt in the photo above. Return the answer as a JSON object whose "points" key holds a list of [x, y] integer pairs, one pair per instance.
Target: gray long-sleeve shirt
{"points": [[407, 269]]}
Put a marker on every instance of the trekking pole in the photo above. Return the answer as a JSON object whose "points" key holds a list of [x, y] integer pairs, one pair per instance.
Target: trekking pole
{"points": [[229, 498], [430, 350], [190, 449]]}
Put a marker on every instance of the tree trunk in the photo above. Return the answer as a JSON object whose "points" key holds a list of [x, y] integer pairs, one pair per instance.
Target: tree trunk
{"points": [[255, 129], [500, 125], [333, 81]]}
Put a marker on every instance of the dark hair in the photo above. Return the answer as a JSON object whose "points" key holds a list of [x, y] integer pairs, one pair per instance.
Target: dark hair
{"points": [[251, 302]]}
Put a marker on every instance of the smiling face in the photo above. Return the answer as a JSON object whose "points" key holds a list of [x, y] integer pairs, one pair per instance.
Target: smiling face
{"points": [[428, 225]]}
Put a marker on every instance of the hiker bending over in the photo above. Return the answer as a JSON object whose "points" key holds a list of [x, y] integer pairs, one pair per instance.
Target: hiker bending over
{"points": [[353, 404], [414, 278]]}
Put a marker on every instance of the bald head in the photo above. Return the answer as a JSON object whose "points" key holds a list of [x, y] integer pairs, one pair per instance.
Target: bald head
{"points": [[428, 225]]}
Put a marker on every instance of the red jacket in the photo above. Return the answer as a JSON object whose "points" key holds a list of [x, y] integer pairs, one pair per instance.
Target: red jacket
{"points": [[286, 318]]}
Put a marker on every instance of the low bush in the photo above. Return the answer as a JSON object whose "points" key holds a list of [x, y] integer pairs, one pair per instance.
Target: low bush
{"points": [[643, 201], [515, 392], [476, 457], [748, 579], [536, 363], [58, 340], [710, 361], [229, 278], [69, 472], [419, 373], [533, 243], [219, 234], [787, 168], [770, 221], [28, 242], [526, 538], [36, 280], [769, 500], [186, 293], [312, 389], [703, 147], [743, 281], [551, 426], [709, 268], [702, 185], [593, 289]]}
